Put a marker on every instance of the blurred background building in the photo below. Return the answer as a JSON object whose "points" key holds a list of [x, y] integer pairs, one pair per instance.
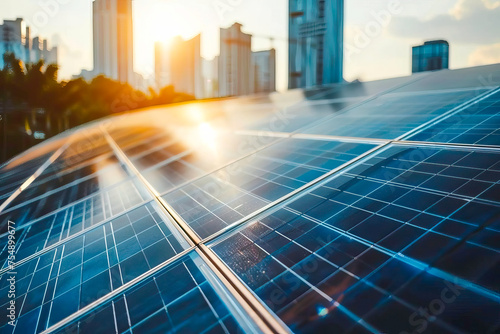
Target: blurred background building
{"points": [[431, 56], [16, 38], [210, 71], [178, 63], [264, 64], [316, 38], [235, 62], [113, 39]]}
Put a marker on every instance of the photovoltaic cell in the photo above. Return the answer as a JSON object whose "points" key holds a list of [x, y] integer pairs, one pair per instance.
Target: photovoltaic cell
{"points": [[364, 245], [54, 228], [393, 115], [294, 118], [12, 177], [75, 185], [364, 89], [183, 297], [220, 199], [62, 280], [169, 161], [478, 124], [114, 200], [479, 77]]}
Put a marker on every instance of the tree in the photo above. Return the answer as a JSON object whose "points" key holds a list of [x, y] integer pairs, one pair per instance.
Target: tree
{"points": [[35, 86]]}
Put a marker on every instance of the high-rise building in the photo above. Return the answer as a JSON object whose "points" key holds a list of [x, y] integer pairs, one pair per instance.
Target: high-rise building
{"points": [[113, 39], [40, 51], [264, 64], [431, 56], [211, 77], [235, 62], [36, 48], [179, 64], [162, 65], [316, 37], [15, 38]]}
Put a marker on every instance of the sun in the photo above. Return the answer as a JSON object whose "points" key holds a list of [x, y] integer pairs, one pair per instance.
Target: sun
{"points": [[167, 19], [161, 21]]}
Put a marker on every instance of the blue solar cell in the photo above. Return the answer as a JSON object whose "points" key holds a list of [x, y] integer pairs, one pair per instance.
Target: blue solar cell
{"points": [[113, 200], [13, 175], [393, 115], [183, 297], [477, 124], [175, 161], [87, 267], [220, 199], [324, 249]]}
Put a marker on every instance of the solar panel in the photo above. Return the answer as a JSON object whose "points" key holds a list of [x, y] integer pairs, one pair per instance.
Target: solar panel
{"points": [[215, 201], [62, 278], [353, 208], [392, 115], [370, 230], [477, 124], [114, 199], [480, 77], [167, 301]]}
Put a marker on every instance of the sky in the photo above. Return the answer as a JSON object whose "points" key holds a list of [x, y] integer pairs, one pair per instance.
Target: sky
{"points": [[378, 33]]}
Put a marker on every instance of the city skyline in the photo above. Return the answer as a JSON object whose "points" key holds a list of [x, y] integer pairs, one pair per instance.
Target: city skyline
{"points": [[70, 29], [17, 38]]}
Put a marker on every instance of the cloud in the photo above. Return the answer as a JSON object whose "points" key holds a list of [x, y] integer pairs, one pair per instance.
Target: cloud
{"points": [[469, 22], [484, 55]]}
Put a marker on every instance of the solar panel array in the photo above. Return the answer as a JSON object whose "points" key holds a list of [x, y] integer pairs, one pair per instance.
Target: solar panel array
{"points": [[356, 208]]}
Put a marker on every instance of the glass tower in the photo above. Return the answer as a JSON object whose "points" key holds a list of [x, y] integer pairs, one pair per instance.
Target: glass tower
{"points": [[431, 56], [316, 31]]}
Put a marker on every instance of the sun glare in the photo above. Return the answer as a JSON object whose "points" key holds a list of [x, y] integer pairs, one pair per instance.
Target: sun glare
{"points": [[165, 20], [208, 136]]}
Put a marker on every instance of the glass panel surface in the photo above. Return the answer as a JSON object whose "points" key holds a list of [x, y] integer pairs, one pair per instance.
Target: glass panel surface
{"points": [[296, 117], [479, 78], [63, 280], [183, 297], [370, 248], [12, 177], [391, 116], [478, 124], [220, 199], [73, 184], [364, 89], [114, 199], [179, 162]]}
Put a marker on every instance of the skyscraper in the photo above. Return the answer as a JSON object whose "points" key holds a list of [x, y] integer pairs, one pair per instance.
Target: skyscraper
{"points": [[113, 39], [235, 62], [13, 38], [431, 56], [316, 37], [210, 73], [264, 64], [179, 64]]}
